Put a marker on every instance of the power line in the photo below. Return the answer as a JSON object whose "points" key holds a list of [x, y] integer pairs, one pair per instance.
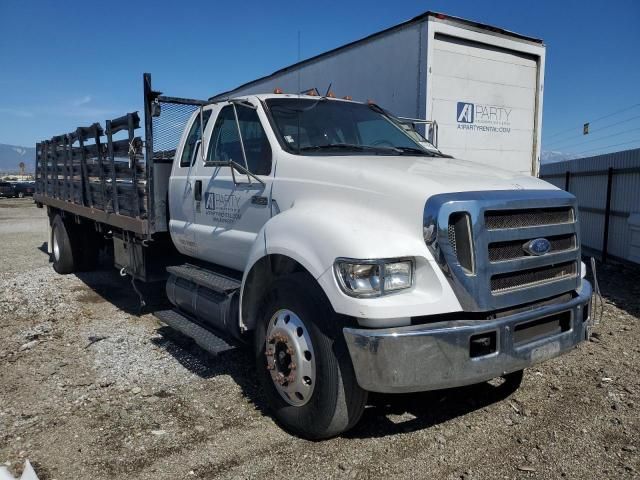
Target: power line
{"points": [[608, 146], [558, 143], [601, 138], [596, 120]]}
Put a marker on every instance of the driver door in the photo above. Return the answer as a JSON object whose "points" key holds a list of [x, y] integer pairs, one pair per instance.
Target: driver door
{"points": [[181, 204], [233, 206]]}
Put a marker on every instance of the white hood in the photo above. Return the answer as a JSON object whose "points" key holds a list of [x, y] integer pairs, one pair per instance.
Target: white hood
{"points": [[431, 175]]}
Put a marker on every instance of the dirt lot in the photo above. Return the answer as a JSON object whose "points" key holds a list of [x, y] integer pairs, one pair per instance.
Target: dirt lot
{"points": [[91, 390]]}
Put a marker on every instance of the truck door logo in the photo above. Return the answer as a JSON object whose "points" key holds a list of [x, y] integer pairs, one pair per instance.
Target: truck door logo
{"points": [[210, 201], [465, 112], [222, 207]]}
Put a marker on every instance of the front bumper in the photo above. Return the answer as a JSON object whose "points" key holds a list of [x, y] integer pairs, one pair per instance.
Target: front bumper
{"points": [[438, 355]]}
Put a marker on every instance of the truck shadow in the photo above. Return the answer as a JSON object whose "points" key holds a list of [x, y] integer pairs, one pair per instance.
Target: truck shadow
{"points": [[107, 285], [402, 413], [380, 418], [237, 363]]}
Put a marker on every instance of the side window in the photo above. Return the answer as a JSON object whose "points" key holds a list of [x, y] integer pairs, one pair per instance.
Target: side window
{"points": [[225, 144], [192, 138]]}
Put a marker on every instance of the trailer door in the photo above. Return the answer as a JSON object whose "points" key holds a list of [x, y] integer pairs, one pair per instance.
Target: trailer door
{"points": [[484, 100]]}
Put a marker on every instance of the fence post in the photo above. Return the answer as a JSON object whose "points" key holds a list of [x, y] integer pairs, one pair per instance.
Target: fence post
{"points": [[567, 177], [607, 216]]}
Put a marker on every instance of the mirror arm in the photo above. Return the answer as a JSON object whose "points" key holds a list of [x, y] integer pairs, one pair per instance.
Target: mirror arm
{"points": [[197, 146], [234, 166], [246, 171], [244, 154]]}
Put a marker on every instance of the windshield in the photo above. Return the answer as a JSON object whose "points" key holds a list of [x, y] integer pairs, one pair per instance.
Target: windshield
{"points": [[310, 126]]}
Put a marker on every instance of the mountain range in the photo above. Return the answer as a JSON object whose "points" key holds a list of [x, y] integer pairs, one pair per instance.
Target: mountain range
{"points": [[12, 155]]}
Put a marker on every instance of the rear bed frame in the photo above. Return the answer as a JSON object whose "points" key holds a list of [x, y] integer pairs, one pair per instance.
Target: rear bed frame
{"points": [[110, 175]]}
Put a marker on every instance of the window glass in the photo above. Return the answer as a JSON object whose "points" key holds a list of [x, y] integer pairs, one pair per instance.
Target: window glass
{"points": [[193, 137], [377, 132], [225, 144], [321, 126]]}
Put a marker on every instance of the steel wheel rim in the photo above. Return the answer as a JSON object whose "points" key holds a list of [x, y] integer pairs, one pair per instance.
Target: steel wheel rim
{"points": [[56, 246], [290, 357]]}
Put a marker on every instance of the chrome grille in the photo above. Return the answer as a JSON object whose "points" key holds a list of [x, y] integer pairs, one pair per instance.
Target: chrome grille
{"points": [[535, 276], [501, 251], [451, 233], [502, 222], [500, 219]]}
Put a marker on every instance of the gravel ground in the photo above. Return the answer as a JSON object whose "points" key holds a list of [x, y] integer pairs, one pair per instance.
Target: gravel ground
{"points": [[91, 389]]}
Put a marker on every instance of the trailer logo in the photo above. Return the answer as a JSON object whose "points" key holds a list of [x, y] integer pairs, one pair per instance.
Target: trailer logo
{"points": [[483, 118], [465, 112]]}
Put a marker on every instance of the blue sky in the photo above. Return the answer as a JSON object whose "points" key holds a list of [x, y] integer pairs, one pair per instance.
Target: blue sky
{"points": [[65, 64]]}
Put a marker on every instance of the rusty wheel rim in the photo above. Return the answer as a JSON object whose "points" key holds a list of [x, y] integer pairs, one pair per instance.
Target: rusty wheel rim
{"points": [[290, 357]]}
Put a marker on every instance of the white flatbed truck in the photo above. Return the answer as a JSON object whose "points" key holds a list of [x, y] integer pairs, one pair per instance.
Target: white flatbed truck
{"points": [[351, 254]]}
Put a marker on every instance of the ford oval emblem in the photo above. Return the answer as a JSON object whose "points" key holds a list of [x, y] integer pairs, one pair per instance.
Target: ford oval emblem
{"points": [[537, 246]]}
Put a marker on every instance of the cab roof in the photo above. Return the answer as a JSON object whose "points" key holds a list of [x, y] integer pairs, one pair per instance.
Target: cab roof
{"points": [[268, 96]]}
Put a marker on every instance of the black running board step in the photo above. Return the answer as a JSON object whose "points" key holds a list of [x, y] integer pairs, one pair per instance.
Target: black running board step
{"points": [[204, 337], [206, 278]]}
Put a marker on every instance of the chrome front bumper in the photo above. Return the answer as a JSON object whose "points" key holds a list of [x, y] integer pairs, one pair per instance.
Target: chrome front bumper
{"points": [[437, 355]]}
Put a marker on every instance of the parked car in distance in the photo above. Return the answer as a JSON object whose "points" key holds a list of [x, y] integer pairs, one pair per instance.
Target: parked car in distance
{"points": [[7, 190], [24, 189]]}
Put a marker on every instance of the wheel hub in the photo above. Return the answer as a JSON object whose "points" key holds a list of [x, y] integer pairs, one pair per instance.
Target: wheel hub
{"points": [[290, 357]]}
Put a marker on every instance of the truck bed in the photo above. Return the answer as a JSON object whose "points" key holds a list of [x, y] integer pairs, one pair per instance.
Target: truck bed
{"points": [[90, 173], [109, 174]]}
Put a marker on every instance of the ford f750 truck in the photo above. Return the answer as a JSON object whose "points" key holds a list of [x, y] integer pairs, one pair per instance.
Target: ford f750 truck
{"points": [[351, 254]]}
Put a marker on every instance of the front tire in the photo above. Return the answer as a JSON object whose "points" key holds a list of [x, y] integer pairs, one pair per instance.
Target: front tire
{"points": [[303, 363]]}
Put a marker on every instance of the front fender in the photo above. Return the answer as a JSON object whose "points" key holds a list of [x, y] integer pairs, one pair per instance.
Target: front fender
{"points": [[315, 237]]}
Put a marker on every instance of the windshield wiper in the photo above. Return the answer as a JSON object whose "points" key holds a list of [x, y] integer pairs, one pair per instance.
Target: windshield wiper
{"points": [[419, 151], [351, 147]]}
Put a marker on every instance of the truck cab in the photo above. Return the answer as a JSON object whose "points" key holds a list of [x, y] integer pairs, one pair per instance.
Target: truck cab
{"points": [[366, 259]]}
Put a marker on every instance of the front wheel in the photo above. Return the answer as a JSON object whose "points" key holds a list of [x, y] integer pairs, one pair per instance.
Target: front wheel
{"points": [[303, 363]]}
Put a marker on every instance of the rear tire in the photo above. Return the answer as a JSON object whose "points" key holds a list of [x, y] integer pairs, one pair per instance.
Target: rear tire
{"points": [[64, 259], [75, 247], [324, 398]]}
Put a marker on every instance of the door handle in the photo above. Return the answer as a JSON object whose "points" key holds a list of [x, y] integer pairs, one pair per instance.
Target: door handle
{"points": [[259, 200], [197, 191]]}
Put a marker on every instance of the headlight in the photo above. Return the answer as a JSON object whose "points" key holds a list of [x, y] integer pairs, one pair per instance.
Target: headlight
{"points": [[373, 278]]}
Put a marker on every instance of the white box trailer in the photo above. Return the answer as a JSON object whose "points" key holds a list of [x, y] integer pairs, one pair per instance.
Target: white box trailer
{"points": [[482, 85]]}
